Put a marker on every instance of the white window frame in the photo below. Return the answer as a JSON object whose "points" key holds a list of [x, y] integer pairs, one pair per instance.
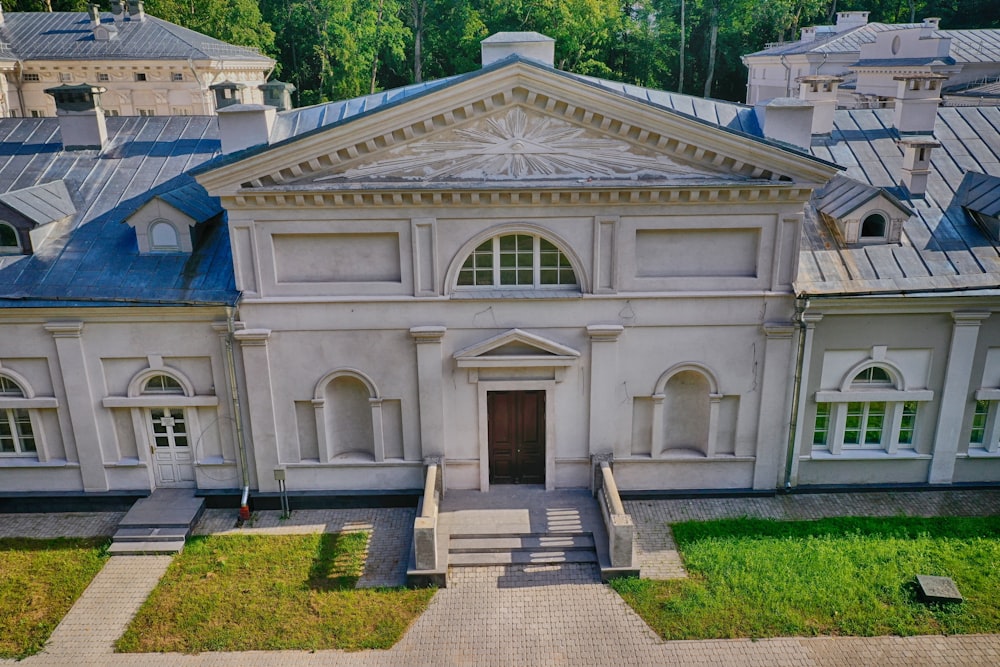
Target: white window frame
{"points": [[855, 390], [103, 77], [991, 430], [536, 268], [27, 400], [170, 247], [15, 249]]}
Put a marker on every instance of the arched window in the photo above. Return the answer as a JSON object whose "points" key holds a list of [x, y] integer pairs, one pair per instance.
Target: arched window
{"points": [[874, 376], [9, 242], [163, 237], [873, 226], [162, 384], [16, 434], [517, 260]]}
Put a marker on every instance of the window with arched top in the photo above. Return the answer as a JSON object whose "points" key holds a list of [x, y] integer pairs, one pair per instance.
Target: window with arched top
{"points": [[163, 237], [9, 241], [519, 259], [873, 226], [871, 411], [162, 384], [17, 435]]}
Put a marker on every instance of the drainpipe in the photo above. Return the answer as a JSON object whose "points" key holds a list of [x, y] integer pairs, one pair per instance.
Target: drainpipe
{"points": [[788, 76], [234, 394], [793, 423]]}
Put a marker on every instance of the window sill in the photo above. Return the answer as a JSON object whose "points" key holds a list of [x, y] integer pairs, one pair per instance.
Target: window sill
{"points": [[864, 455], [515, 293], [684, 456], [130, 462], [354, 463], [980, 453], [214, 461], [33, 462]]}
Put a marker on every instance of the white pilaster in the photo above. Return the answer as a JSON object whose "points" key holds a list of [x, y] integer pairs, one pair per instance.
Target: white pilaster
{"points": [[430, 389], [260, 404], [80, 402], [772, 433], [605, 436], [954, 394]]}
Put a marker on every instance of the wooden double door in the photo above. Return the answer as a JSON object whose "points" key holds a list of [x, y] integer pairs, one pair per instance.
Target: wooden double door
{"points": [[516, 436]]}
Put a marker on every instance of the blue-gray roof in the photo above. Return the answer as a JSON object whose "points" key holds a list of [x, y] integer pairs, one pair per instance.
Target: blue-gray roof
{"points": [[70, 36], [941, 247], [93, 257]]}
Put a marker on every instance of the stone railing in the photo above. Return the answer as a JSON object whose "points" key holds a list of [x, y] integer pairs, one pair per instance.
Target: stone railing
{"points": [[425, 526], [621, 530]]}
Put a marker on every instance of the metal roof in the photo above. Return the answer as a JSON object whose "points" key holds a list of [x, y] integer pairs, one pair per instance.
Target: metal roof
{"points": [[70, 36], [980, 193], [967, 46], [940, 248], [43, 203], [844, 195], [92, 258]]}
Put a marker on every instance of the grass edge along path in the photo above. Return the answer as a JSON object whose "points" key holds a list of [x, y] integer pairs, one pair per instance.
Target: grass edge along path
{"points": [[756, 578], [40, 579], [271, 592]]}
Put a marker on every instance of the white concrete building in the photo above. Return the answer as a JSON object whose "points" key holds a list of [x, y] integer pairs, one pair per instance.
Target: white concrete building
{"points": [[516, 272], [150, 67], [868, 57]]}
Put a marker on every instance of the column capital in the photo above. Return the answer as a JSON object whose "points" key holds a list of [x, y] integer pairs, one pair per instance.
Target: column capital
{"points": [[604, 332], [428, 334], [967, 318], [64, 329], [222, 328], [778, 329], [811, 319], [253, 337]]}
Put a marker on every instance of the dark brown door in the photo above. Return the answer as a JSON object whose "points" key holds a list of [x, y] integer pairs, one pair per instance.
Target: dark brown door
{"points": [[516, 436]]}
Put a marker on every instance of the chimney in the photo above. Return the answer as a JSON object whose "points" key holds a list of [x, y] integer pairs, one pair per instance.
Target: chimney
{"points": [[244, 126], [118, 9], [917, 99], [916, 164], [81, 118], [788, 120], [94, 11], [848, 20], [227, 94], [1, 16], [821, 91], [808, 34], [136, 10], [278, 94], [929, 25], [531, 45]]}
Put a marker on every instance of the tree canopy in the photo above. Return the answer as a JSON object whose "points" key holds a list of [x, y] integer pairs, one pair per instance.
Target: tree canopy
{"points": [[332, 49]]}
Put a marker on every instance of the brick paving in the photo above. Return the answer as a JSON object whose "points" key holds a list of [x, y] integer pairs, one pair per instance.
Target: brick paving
{"points": [[60, 524], [523, 615]]}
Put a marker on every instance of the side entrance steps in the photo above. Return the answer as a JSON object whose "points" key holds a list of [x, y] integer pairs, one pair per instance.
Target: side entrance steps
{"points": [[158, 524], [486, 549]]}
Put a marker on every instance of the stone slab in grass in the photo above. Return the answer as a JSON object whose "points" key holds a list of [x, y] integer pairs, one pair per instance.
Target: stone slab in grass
{"points": [[937, 589]]}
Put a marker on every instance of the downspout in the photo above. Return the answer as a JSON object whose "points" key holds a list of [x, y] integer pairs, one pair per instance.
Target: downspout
{"points": [[788, 76], [234, 394], [793, 420]]}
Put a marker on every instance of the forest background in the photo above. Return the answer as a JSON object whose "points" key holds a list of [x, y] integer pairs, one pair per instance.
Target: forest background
{"points": [[336, 49]]}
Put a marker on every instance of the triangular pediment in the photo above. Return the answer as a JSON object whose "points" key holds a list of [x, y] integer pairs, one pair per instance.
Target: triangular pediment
{"points": [[518, 143], [516, 345], [520, 122]]}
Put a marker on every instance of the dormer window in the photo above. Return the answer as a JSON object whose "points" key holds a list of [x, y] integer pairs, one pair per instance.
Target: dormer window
{"points": [[873, 227], [163, 237], [10, 244]]}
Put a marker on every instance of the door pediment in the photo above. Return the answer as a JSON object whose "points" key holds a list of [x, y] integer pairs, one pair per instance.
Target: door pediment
{"points": [[520, 123], [516, 349]]}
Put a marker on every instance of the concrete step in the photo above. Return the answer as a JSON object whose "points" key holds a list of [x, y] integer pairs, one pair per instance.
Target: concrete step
{"points": [[485, 559], [528, 542], [159, 534], [145, 548]]}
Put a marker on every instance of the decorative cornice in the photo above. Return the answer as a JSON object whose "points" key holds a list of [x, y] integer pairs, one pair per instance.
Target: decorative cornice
{"points": [[535, 196], [428, 334], [253, 337], [604, 333], [778, 330], [964, 318]]}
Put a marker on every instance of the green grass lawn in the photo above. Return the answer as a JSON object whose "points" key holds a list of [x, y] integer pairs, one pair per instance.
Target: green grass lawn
{"points": [[271, 592], [845, 576], [39, 581]]}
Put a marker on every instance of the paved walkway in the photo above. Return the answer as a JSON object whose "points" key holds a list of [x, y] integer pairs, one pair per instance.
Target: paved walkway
{"points": [[521, 615]]}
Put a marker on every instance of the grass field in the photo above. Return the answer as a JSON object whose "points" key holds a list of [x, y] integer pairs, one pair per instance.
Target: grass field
{"points": [[271, 592], [39, 581], [844, 576]]}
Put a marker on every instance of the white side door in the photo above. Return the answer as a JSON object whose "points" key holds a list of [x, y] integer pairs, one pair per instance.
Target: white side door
{"points": [[171, 448]]}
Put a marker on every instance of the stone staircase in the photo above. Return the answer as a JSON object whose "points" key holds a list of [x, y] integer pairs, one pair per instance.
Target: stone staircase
{"points": [[158, 524], [487, 549]]}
